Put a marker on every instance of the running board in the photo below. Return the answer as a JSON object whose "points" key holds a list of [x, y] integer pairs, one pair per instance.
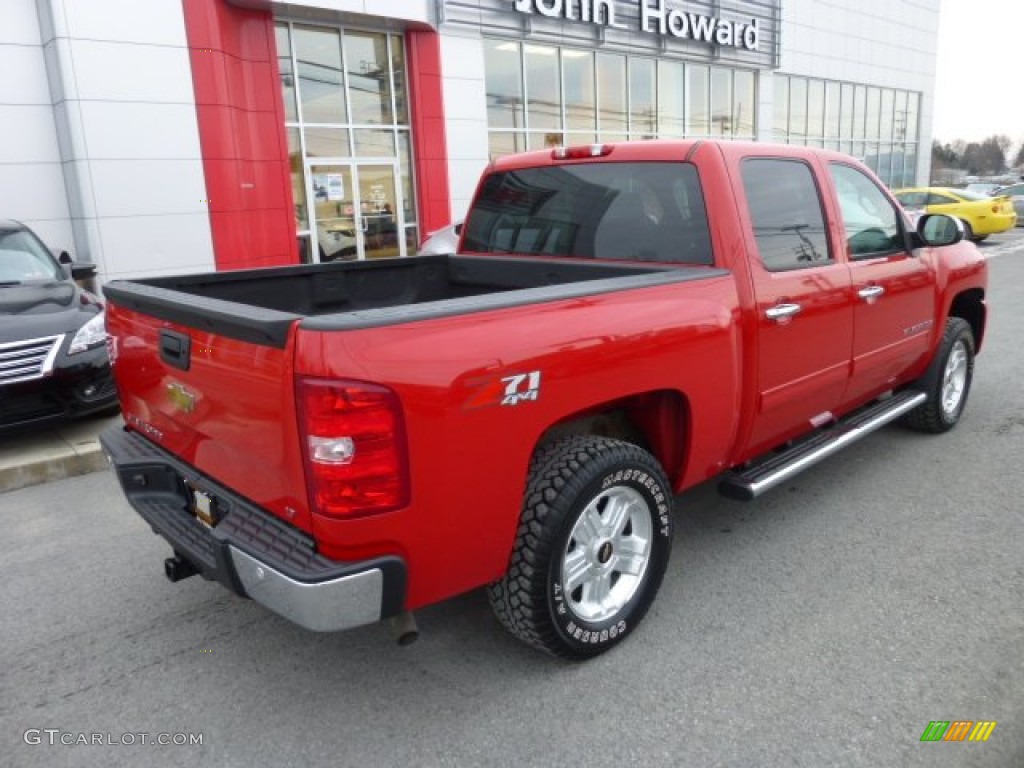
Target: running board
{"points": [[754, 481]]}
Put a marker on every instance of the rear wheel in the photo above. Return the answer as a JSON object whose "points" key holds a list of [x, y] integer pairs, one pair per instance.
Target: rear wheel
{"points": [[590, 553], [947, 381], [968, 231]]}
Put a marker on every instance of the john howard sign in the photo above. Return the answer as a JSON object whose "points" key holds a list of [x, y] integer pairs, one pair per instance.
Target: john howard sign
{"points": [[659, 17]]}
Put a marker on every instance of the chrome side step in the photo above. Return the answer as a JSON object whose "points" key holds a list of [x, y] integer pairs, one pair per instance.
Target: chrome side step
{"points": [[759, 478]]}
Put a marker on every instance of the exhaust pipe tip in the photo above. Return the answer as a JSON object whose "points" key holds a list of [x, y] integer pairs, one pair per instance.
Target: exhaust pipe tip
{"points": [[403, 627], [177, 568]]}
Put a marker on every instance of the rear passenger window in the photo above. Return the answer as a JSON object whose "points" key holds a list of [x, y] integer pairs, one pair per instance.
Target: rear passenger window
{"points": [[785, 209], [636, 211], [871, 221]]}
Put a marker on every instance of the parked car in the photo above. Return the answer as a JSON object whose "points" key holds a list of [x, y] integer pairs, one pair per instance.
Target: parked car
{"points": [[444, 240], [981, 215], [53, 352], [1016, 194], [355, 441]]}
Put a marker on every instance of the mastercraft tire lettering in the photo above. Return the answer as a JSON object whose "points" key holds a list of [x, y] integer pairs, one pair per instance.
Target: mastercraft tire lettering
{"points": [[590, 553]]}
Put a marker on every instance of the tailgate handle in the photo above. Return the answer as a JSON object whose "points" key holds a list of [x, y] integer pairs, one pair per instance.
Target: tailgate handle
{"points": [[175, 349]]}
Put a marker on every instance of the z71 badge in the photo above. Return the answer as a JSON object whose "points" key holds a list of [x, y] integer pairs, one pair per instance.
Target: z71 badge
{"points": [[507, 390]]}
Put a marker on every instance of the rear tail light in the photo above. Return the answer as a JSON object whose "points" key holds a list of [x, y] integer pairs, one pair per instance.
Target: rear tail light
{"points": [[356, 459]]}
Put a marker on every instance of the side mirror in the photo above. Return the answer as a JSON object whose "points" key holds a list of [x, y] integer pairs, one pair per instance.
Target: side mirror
{"points": [[938, 229], [63, 257]]}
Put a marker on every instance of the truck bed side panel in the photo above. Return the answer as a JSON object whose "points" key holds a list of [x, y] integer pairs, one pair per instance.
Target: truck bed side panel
{"points": [[469, 453]]}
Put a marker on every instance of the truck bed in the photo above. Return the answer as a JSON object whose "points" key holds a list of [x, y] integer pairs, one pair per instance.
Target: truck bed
{"points": [[261, 305]]}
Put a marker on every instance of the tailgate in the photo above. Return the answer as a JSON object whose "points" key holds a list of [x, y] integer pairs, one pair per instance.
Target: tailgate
{"points": [[222, 401]]}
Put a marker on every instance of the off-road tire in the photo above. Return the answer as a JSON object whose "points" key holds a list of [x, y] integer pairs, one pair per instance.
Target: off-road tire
{"points": [[568, 477], [934, 415]]}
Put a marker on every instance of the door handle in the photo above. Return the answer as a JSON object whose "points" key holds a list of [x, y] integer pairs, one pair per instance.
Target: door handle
{"points": [[782, 311], [871, 292]]}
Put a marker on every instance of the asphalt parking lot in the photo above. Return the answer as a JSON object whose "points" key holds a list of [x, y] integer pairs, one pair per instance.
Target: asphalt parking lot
{"points": [[825, 624]]}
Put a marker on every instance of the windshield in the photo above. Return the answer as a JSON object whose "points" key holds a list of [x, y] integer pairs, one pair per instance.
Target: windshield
{"points": [[23, 258]]}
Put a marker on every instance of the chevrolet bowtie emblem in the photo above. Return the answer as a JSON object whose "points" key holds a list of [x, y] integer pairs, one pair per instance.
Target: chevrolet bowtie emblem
{"points": [[181, 397]]}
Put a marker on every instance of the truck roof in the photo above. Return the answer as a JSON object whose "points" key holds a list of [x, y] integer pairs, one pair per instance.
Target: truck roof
{"points": [[652, 151]]}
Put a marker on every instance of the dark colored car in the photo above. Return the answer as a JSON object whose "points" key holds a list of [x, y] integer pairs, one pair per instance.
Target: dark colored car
{"points": [[53, 351]]}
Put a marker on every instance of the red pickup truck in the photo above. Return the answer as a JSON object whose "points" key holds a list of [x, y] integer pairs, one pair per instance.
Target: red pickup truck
{"points": [[349, 442]]}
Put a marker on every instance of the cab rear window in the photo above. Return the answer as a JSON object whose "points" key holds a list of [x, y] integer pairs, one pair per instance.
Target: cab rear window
{"points": [[622, 211]]}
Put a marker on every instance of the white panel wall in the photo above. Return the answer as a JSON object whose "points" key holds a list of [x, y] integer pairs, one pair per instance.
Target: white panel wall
{"points": [[421, 11], [465, 109], [120, 86], [31, 182], [889, 43]]}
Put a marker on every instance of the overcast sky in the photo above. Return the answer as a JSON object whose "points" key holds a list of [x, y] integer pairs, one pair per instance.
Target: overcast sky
{"points": [[980, 78]]}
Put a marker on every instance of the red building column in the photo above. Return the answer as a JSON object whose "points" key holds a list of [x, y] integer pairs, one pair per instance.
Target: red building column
{"points": [[430, 149], [242, 134]]}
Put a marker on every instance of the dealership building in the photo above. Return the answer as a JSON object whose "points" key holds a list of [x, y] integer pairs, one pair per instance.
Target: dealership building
{"points": [[172, 136]]}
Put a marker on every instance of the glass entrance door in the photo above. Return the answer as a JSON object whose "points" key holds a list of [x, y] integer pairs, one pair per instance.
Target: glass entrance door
{"points": [[355, 210], [378, 211]]}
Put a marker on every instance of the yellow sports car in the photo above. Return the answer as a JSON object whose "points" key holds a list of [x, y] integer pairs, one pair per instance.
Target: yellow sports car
{"points": [[981, 216]]}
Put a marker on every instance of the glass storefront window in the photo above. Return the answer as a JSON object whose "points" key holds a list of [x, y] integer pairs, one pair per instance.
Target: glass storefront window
{"points": [[899, 119], [298, 180], [860, 101], [846, 111], [505, 108], [366, 59], [671, 111], [910, 165], [781, 124], [698, 100], [721, 102], [580, 95], [912, 106], [831, 110], [543, 95], [398, 73], [611, 93], [321, 83], [885, 123], [370, 142], [352, 184], [504, 143], [743, 104], [642, 111], [798, 109], [406, 175], [327, 142], [874, 109], [815, 109], [287, 72], [544, 139]]}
